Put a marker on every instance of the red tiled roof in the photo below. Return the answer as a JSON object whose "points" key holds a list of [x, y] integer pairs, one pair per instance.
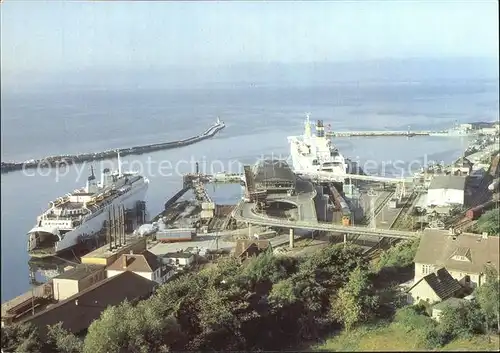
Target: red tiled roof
{"points": [[143, 262]]}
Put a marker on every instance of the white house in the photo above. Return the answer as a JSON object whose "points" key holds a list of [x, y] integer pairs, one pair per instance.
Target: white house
{"points": [[433, 288], [464, 256], [178, 259], [462, 167], [145, 264], [446, 190]]}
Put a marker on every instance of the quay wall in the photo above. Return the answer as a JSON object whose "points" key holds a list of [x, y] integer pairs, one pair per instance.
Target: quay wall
{"points": [[63, 160]]}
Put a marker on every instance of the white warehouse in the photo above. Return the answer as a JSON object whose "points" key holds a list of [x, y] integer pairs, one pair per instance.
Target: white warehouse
{"points": [[446, 190]]}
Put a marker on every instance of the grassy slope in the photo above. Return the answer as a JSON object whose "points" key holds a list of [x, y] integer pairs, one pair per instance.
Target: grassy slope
{"points": [[392, 338]]}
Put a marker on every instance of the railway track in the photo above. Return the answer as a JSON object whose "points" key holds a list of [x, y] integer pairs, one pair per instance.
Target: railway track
{"points": [[464, 224], [375, 214], [378, 208], [405, 210], [384, 243]]}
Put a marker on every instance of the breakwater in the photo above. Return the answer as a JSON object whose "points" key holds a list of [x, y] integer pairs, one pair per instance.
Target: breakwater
{"points": [[65, 160], [378, 133]]}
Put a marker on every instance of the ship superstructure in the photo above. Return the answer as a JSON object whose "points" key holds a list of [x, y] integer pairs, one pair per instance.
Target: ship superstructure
{"points": [[314, 152], [458, 130], [81, 214]]}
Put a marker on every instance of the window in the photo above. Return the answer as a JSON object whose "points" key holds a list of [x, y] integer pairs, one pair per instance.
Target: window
{"points": [[426, 269]]}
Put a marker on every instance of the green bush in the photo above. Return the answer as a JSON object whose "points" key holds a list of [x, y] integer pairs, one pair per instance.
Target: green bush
{"points": [[464, 320], [489, 222], [432, 338], [413, 318], [400, 255]]}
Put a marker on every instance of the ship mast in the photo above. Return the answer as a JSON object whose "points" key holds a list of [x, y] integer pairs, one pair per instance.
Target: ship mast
{"points": [[307, 126], [119, 164]]}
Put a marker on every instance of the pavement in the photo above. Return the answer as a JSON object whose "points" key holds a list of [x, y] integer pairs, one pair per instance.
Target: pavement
{"points": [[303, 200]]}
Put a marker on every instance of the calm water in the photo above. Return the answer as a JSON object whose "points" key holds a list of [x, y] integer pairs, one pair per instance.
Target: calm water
{"points": [[258, 121]]}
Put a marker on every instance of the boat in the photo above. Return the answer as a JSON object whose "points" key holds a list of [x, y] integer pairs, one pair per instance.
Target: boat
{"points": [[314, 152], [80, 215], [462, 130]]}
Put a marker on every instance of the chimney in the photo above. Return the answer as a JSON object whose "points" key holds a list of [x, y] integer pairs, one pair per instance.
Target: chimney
{"points": [[124, 261]]}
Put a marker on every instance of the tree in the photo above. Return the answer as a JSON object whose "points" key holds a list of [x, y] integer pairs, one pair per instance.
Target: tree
{"points": [[63, 341], [400, 255], [489, 222], [354, 302], [283, 293], [464, 319], [22, 338], [128, 328], [488, 296]]}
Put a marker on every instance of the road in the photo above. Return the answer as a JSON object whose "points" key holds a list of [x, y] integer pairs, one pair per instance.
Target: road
{"points": [[244, 212]]}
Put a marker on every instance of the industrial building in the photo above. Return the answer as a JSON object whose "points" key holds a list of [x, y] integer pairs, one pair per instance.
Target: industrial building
{"points": [[108, 253], [446, 190], [76, 280], [79, 310], [274, 176]]}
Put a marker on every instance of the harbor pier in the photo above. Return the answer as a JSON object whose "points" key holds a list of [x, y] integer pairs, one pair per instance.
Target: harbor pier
{"points": [[65, 160]]}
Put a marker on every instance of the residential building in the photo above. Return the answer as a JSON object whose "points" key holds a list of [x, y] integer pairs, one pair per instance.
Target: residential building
{"points": [[462, 167], [78, 311], [464, 256], [434, 287], [145, 264], [178, 259], [76, 279], [437, 309], [246, 248], [446, 190]]}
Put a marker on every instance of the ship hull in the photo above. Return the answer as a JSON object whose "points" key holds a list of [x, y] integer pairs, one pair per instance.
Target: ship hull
{"points": [[91, 226]]}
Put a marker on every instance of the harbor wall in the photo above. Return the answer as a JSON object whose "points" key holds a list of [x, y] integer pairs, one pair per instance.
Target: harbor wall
{"points": [[64, 160]]}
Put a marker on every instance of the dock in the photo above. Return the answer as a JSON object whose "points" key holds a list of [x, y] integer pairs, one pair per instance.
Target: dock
{"points": [[32, 302]]}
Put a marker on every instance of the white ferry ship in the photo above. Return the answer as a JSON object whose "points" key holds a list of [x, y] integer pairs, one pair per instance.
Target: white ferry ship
{"points": [[81, 214], [313, 152]]}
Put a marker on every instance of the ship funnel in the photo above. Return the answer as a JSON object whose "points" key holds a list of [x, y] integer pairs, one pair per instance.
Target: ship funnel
{"points": [[320, 130]]}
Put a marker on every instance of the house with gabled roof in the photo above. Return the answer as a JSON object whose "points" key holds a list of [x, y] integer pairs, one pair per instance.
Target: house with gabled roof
{"points": [[246, 248], [145, 264], [434, 287], [465, 256]]}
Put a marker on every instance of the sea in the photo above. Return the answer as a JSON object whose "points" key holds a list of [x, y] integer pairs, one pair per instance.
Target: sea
{"points": [[258, 118]]}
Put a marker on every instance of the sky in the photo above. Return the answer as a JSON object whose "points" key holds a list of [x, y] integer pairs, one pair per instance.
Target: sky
{"points": [[71, 36]]}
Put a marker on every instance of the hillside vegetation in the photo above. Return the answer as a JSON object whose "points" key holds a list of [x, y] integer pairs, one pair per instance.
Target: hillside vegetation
{"points": [[274, 303]]}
